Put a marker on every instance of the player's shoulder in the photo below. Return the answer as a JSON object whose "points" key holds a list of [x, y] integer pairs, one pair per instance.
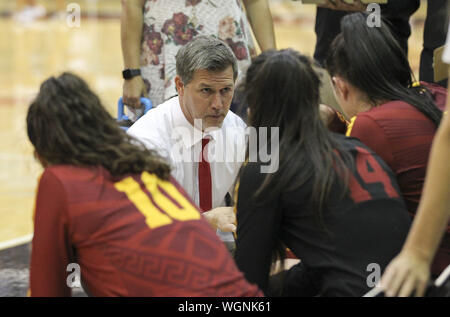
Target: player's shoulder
{"points": [[394, 109], [61, 171], [351, 144], [69, 174], [375, 120], [358, 149], [56, 177]]}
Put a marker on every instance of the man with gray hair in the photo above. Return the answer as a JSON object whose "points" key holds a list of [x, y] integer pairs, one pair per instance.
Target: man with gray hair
{"points": [[195, 131]]}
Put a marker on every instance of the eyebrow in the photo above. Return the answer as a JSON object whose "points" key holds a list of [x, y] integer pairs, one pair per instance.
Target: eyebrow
{"points": [[203, 85]]}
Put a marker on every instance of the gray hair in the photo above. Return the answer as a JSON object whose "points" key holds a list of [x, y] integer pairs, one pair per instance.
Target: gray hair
{"points": [[207, 53]]}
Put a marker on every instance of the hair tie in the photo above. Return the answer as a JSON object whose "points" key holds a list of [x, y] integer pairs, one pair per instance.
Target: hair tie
{"points": [[341, 117]]}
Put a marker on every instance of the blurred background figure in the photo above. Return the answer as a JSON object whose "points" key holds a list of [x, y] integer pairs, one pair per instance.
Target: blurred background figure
{"points": [[29, 11], [397, 14], [153, 32]]}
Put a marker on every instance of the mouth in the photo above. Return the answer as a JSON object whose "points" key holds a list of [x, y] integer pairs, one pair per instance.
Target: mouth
{"points": [[216, 117]]}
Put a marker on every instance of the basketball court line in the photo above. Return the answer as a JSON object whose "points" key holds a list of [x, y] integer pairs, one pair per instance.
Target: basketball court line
{"points": [[15, 242]]}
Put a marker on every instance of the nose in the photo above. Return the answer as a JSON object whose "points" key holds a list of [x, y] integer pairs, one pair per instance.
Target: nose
{"points": [[217, 103]]}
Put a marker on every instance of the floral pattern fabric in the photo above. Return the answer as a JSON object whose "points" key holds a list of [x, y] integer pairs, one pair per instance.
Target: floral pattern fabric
{"points": [[170, 24]]}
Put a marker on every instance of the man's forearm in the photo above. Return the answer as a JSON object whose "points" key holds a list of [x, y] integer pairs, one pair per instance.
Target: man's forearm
{"points": [[131, 31], [261, 22]]}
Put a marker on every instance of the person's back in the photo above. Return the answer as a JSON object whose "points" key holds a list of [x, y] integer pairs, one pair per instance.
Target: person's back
{"points": [[392, 114], [361, 231], [402, 136], [135, 235], [108, 206], [332, 202]]}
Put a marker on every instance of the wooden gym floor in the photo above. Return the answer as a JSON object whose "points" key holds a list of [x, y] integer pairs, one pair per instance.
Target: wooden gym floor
{"points": [[31, 52]]}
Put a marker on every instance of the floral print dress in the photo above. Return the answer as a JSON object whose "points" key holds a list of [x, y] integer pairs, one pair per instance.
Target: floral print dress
{"points": [[169, 24]]}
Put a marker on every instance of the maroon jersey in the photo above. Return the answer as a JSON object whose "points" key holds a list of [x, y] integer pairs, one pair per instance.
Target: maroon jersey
{"points": [[131, 236], [402, 136]]}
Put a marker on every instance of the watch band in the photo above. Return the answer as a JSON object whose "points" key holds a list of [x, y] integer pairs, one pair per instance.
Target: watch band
{"points": [[130, 73]]}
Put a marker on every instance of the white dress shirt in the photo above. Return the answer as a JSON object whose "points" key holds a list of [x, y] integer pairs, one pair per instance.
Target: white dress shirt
{"points": [[166, 130]]}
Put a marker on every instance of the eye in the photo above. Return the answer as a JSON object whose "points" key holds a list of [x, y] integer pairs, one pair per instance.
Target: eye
{"points": [[206, 90], [226, 90]]}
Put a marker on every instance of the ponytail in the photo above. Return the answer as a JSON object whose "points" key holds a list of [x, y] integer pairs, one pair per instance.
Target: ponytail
{"points": [[372, 60]]}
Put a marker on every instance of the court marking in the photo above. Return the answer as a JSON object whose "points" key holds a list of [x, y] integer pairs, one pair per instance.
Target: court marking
{"points": [[15, 242]]}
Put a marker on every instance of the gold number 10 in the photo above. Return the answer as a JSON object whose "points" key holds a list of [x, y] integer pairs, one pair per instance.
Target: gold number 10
{"points": [[162, 210]]}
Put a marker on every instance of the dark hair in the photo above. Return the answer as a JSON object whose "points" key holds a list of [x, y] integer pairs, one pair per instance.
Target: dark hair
{"points": [[371, 59], [204, 52], [67, 124], [282, 90]]}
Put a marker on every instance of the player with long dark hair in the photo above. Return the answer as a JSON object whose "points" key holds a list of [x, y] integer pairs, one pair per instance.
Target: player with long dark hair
{"points": [[108, 205], [393, 115], [333, 202]]}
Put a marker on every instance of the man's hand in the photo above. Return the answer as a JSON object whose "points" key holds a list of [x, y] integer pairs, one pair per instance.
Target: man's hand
{"points": [[133, 89], [406, 273], [343, 6], [222, 218]]}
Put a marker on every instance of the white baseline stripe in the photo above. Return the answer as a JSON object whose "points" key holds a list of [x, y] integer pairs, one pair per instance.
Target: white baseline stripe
{"points": [[15, 242]]}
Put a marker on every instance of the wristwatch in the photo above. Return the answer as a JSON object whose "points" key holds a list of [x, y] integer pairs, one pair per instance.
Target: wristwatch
{"points": [[130, 73]]}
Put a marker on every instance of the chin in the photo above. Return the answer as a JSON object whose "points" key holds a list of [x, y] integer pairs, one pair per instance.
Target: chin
{"points": [[210, 125]]}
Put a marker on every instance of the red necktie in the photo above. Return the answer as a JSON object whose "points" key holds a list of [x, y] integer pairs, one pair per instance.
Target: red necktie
{"points": [[204, 179]]}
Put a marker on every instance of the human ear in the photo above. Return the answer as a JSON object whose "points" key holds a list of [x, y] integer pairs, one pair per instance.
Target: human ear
{"points": [[340, 87], [179, 85]]}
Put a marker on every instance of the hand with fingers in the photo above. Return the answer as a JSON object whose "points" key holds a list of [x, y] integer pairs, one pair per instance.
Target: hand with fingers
{"points": [[341, 5], [133, 90], [222, 218], [406, 275]]}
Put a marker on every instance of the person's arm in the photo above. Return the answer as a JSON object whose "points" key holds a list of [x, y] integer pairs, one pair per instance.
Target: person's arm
{"points": [[261, 21], [410, 270], [50, 246], [131, 25], [257, 226]]}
